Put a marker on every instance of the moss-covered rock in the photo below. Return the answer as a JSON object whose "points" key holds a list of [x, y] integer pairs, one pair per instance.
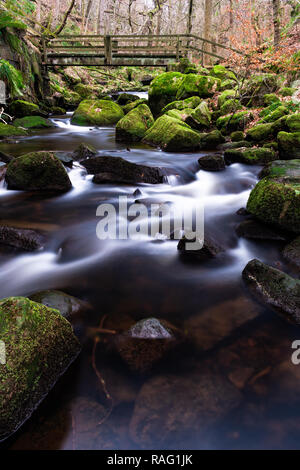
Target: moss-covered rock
{"points": [[289, 145], [33, 122], [260, 132], [257, 87], [163, 90], [197, 85], [284, 168], [271, 145], [37, 171], [182, 115], [9, 131], [211, 140], [227, 85], [39, 347], [189, 103], [219, 71], [237, 136], [200, 117], [270, 98], [84, 91], [235, 145], [21, 108], [279, 112], [97, 113], [134, 104], [250, 156], [230, 106], [226, 95], [293, 122], [287, 91], [212, 162], [133, 126], [125, 98], [276, 200], [234, 122], [84, 151], [291, 252], [172, 135]]}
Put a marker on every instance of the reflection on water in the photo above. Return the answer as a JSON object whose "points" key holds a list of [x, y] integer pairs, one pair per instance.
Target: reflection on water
{"points": [[230, 384]]}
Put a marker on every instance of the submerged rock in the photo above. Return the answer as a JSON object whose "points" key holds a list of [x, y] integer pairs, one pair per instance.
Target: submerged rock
{"points": [[24, 239], [291, 252], [133, 126], [172, 135], [39, 347], [256, 230], [213, 162], [108, 169], [274, 288], [170, 409], [146, 343], [66, 304], [84, 151], [205, 249], [37, 171], [250, 156], [97, 113]]}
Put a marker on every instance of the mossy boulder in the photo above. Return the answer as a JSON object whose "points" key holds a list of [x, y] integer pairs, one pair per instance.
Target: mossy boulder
{"points": [[37, 171], [270, 98], [235, 145], [163, 90], [33, 122], [134, 104], [200, 117], [84, 151], [291, 252], [189, 103], [274, 289], [284, 168], [234, 122], [227, 85], [250, 156], [276, 200], [97, 113], [230, 106], [211, 140], [125, 98], [212, 162], [289, 145], [84, 91], [287, 91], [172, 135], [257, 87], [237, 136], [39, 346], [133, 126], [219, 71], [279, 112], [182, 115], [260, 132], [226, 95], [293, 122], [197, 85], [9, 131], [21, 108]]}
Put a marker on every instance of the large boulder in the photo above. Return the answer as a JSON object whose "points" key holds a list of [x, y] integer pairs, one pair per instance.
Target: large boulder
{"points": [[33, 122], [39, 346], [125, 98], [234, 122], [200, 117], [219, 71], [250, 156], [97, 113], [230, 106], [172, 135], [198, 85], [284, 168], [226, 95], [109, 169], [21, 108], [7, 130], [189, 103], [289, 144], [205, 249], [84, 151], [37, 171], [163, 90], [133, 126], [274, 289], [293, 122], [134, 104], [276, 200], [256, 87]]}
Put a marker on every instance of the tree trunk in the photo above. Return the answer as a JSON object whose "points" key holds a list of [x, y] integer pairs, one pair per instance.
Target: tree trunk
{"points": [[207, 29], [190, 17], [276, 21]]}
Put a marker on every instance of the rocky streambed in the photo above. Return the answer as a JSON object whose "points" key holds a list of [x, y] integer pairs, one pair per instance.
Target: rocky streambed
{"points": [[178, 349]]}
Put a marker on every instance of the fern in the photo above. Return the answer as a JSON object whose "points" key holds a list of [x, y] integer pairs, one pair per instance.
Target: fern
{"points": [[8, 21], [12, 77]]}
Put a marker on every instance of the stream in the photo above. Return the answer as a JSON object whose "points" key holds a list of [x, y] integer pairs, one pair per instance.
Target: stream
{"points": [[143, 278]]}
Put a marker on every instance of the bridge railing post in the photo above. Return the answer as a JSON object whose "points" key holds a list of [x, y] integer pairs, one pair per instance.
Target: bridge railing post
{"points": [[108, 49]]}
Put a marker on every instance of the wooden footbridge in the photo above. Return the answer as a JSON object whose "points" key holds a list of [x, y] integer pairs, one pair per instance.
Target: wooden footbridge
{"points": [[127, 50]]}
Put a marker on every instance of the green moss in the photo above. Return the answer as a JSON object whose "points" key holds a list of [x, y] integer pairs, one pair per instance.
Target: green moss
{"points": [[234, 122], [219, 71], [287, 91], [230, 106], [250, 156], [182, 115], [293, 122], [289, 145], [133, 126], [276, 114], [200, 117], [277, 201], [226, 95], [256, 88], [227, 85], [84, 91], [21, 108], [97, 112], [40, 171], [271, 145], [134, 104], [260, 132], [163, 90], [33, 122], [197, 85], [211, 140], [288, 168], [8, 131], [172, 135], [237, 136], [39, 345], [270, 98], [191, 103]]}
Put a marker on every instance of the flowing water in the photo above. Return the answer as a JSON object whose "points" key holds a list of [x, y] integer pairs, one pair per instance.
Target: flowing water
{"points": [[136, 279]]}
